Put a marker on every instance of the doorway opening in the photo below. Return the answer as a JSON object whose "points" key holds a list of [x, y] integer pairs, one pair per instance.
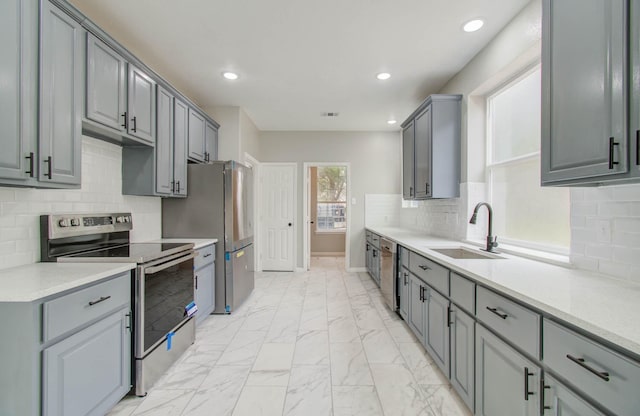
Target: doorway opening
{"points": [[327, 214]]}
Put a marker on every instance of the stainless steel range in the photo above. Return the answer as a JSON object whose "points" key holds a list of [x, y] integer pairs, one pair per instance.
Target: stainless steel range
{"points": [[163, 285]]}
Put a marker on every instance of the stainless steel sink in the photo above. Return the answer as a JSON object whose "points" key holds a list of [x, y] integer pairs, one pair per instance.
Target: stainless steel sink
{"points": [[466, 253]]}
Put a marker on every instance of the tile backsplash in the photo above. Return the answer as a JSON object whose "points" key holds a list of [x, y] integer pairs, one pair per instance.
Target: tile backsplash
{"points": [[101, 191]]}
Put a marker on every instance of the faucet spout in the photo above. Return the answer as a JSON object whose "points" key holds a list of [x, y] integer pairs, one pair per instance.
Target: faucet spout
{"points": [[492, 242]]}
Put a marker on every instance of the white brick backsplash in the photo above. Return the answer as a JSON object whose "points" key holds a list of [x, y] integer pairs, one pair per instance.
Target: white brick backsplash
{"points": [[605, 230], [101, 191]]}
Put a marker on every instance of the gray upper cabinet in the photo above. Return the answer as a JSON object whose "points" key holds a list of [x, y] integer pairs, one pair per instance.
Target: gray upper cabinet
{"points": [[180, 136], [106, 85], [408, 153], [61, 97], [164, 143], [434, 150], [197, 151], [142, 105], [506, 382], [18, 94], [634, 120], [210, 143], [584, 91]]}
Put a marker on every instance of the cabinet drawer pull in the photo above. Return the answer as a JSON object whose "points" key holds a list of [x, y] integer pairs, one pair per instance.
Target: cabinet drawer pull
{"points": [[580, 361], [173, 186], [375, 253], [421, 294], [30, 172], [426, 188], [207, 255], [495, 311], [527, 393], [449, 316], [134, 129], [411, 191], [102, 299], [638, 147], [178, 186], [196, 284], [49, 162], [423, 267], [368, 248], [125, 125], [612, 145], [543, 387], [405, 277]]}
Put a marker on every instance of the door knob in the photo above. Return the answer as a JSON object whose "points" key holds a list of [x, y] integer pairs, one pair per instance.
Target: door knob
{"points": [[290, 224]]}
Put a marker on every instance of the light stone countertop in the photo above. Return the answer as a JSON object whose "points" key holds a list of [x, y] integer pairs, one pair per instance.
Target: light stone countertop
{"points": [[39, 280], [601, 305], [198, 242]]}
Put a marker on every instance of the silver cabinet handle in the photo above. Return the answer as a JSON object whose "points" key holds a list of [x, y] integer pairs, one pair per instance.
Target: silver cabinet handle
{"points": [[423, 267], [102, 299], [495, 311], [581, 362]]}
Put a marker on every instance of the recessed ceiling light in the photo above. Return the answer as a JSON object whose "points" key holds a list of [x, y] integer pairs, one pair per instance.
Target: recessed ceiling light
{"points": [[383, 76], [473, 25], [391, 122], [230, 75]]}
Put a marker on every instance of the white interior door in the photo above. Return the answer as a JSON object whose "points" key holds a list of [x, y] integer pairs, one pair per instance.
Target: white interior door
{"points": [[278, 216]]}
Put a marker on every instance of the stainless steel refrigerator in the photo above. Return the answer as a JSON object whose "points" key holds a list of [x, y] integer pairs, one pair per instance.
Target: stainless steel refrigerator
{"points": [[219, 205]]}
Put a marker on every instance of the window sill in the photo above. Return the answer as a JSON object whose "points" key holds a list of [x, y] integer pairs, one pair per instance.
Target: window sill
{"points": [[543, 256]]}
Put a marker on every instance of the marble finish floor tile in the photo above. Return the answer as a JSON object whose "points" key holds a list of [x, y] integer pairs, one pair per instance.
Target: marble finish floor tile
{"points": [[314, 343]]}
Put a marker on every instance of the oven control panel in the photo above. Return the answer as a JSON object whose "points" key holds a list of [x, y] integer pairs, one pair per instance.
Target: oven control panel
{"points": [[68, 225]]}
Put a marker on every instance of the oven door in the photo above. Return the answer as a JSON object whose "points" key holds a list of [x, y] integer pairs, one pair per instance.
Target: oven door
{"points": [[163, 290]]}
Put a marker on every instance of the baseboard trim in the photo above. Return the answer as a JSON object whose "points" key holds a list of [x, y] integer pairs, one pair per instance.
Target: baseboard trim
{"points": [[328, 254]]}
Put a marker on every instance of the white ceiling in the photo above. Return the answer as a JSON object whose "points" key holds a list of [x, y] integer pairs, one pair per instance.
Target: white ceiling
{"points": [[298, 58]]}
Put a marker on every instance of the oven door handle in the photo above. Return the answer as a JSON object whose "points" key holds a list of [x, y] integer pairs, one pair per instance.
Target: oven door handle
{"points": [[156, 269]]}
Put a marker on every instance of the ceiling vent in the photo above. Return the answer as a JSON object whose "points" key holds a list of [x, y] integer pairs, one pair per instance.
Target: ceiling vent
{"points": [[330, 114]]}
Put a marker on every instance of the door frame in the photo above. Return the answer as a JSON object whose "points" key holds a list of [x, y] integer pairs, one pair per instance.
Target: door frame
{"points": [[306, 261], [258, 206], [254, 164]]}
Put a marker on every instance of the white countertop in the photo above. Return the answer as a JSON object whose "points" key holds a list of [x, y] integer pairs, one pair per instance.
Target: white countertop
{"points": [[198, 242], [39, 280], [604, 306]]}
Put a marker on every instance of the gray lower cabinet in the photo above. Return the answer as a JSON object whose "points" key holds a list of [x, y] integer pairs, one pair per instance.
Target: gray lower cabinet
{"points": [[433, 149], [417, 308], [18, 92], [403, 289], [408, 154], [436, 338], [204, 284], [61, 97], [585, 87], [90, 371], [197, 126], [507, 383], [463, 354], [560, 400]]}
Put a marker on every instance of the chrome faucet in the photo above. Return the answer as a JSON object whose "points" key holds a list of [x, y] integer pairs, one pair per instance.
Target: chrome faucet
{"points": [[492, 242]]}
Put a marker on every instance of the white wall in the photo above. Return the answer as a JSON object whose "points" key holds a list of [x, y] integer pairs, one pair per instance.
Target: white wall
{"points": [[101, 191], [375, 168], [249, 137], [229, 132]]}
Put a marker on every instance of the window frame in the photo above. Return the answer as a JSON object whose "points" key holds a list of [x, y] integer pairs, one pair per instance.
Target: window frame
{"points": [[346, 205], [490, 164]]}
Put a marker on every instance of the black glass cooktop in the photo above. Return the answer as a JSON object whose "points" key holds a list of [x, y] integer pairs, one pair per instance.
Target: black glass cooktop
{"points": [[129, 253]]}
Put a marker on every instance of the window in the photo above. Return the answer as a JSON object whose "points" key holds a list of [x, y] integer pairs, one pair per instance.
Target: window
{"points": [[526, 214], [332, 199]]}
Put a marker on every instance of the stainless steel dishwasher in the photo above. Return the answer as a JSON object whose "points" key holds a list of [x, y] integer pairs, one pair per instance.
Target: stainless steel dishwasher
{"points": [[388, 285]]}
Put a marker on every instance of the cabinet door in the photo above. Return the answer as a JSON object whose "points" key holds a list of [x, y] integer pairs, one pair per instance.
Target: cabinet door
{"points": [[89, 372], [196, 136], [584, 89], [211, 143], [634, 123], [423, 154], [437, 332], [181, 131], [417, 309], [559, 400], [164, 143], [205, 295], [506, 382], [18, 66], [408, 153], [61, 92], [403, 284], [462, 355], [106, 85], [142, 105]]}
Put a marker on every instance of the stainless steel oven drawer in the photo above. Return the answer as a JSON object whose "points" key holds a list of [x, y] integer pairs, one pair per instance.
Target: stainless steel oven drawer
{"points": [[75, 309], [432, 273], [206, 255], [601, 373], [512, 321]]}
